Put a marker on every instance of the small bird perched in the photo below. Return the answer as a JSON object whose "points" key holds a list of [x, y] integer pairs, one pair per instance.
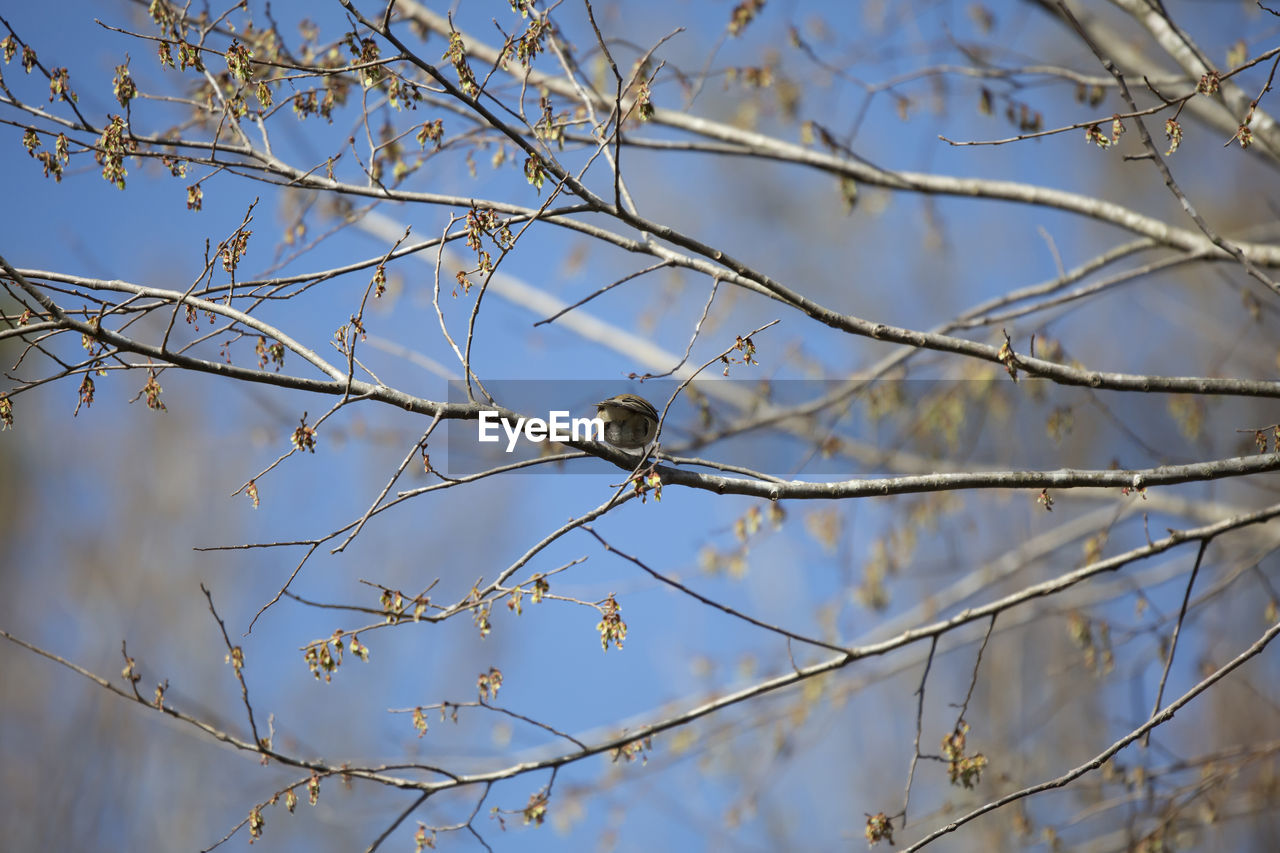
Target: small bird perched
{"points": [[629, 421]]}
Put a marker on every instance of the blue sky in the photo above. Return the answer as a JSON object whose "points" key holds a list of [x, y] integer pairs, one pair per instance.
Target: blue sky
{"points": [[112, 502]]}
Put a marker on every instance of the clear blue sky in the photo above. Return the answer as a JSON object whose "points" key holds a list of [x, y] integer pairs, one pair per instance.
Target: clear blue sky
{"points": [[113, 501]]}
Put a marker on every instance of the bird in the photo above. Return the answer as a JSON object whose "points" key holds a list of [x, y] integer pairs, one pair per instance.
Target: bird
{"points": [[630, 421]]}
